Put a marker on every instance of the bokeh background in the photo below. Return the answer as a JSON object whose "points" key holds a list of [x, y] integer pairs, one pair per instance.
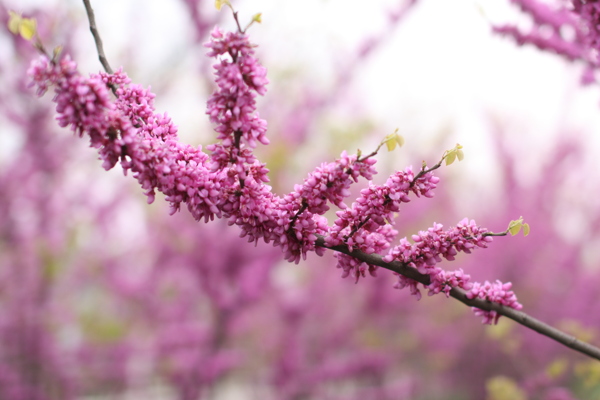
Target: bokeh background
{"points": [[105, 297]]}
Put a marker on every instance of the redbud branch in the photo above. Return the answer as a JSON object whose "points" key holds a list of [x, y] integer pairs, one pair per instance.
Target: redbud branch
{"points": [[495, 234], [357, 228], [40, 47], [424, 171], [235, 17], [460, 295], [232, 159], [488, 234], [237, 21], [295, 217], [373, 153], [97, 38]]}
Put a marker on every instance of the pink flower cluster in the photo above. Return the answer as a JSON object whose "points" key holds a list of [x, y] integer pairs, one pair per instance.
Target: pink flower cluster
{"points": [[364, 225], [435, 243], [239, 78], [370, 243], [571, 31], [80, 102], [496, 292], [331, 182], [377, 204], [231, 183], [428, 249]]}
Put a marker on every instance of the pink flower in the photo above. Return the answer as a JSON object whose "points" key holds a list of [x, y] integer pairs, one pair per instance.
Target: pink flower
{"points": [[496, 292]]}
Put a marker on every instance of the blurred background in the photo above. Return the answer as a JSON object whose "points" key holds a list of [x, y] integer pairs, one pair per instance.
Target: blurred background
{"points": [[105, 297]]}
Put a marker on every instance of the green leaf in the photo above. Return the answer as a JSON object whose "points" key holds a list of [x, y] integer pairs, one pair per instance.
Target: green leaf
{"points": [[220, 3], [455, 153], [450, 157], [390, 144], [514, 229], [257, 18], [392, 140], [14, 21], [27, 28]]}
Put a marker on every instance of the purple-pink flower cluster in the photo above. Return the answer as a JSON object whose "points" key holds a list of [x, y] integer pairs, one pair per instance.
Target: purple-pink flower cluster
{"points": [[80, 102], [231, 183], [570, 30], [364, 225], [232, 107], [370, 243], [496, 292], [428, 249], [331, 182], [376, 206], [430, 245]]}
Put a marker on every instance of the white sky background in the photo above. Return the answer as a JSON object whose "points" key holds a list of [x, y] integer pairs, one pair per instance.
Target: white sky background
{"points": [[443, 68]]}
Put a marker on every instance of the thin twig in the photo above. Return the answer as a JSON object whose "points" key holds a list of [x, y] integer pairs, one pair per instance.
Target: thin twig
{"points": [[424, 171], [372, 154], [97, 38], [460, 295]]}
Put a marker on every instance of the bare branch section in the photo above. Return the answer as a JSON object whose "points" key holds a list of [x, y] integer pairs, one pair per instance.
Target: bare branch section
{"points": [[460, 295], [97, 38]]}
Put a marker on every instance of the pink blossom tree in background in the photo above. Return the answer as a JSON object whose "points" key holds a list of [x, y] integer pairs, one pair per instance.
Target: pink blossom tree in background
{"points": [[174, 309]]}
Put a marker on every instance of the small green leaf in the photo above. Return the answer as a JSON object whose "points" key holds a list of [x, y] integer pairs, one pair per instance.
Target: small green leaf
{"points": [[257, 18], [390, 144], [27, 28], [14, 21], [514, 229], [392, 140], [400, 140], [56, 52], [450, 158], [220, 3], [455, 153]]}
